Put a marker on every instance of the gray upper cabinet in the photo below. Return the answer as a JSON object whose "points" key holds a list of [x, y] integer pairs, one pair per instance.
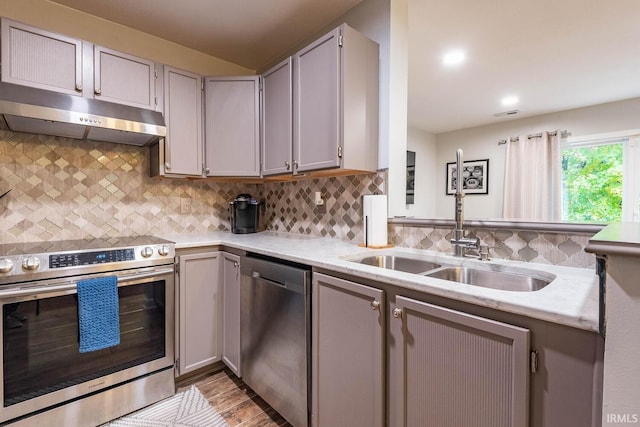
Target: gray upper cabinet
{"points": [[348, 360], [50, 61], [124, 79], [181, 153], [453, 368], [277, 119], [41, 59], [232, 126], [335, 103]]}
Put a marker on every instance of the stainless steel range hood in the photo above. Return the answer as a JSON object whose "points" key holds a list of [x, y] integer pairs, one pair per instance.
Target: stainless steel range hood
{"points": [[32, 110]]}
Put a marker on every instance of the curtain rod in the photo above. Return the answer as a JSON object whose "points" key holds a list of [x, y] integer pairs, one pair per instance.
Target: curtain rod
{"points": [[563, 133]]}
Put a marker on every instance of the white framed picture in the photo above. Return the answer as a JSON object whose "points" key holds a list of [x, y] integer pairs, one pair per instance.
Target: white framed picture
{"points": [[475, 177]]}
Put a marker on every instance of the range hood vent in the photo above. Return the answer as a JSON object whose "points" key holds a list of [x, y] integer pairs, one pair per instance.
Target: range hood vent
{"points": [[27, 109]]}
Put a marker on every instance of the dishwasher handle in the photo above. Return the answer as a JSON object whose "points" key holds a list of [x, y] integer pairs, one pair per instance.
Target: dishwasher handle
{"points": [[289, 286]]}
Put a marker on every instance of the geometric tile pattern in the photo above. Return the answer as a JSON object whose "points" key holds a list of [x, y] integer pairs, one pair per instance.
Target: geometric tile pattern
{"points": [[70, 189], [565, 249], [290, 206]]}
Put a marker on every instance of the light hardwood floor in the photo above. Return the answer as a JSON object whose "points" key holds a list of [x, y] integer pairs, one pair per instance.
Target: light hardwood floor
{"points": [[236, 402]]}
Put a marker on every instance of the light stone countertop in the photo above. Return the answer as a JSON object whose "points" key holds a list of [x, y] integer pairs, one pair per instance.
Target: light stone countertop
{"points": [[571, 299], [621, 238]]}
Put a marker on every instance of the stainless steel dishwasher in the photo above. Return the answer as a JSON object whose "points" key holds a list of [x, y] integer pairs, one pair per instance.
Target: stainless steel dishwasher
{"points": [[275, 325]]}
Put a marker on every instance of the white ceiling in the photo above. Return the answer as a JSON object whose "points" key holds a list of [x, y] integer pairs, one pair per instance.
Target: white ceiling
{"points": [[553, 54]]}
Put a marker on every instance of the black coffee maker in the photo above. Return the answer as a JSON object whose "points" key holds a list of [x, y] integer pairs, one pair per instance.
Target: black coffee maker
{"points": [[244, 214]]}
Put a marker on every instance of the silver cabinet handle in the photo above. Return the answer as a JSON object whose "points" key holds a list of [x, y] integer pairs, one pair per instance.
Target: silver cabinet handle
{"points": [[287, 164], [295, 165], [236, 264], [78, 87], [97, 91], [397, 313], [167, 166], [375, 305]]}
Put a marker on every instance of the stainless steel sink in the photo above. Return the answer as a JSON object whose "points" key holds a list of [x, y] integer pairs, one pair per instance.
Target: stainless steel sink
{"points": [[490, 279], [407, 265]]}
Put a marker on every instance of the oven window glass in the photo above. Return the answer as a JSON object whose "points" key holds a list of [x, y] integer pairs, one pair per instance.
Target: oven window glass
{"points": [[41, 341]]}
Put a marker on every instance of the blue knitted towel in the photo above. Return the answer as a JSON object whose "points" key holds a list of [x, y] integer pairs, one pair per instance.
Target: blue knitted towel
{"points": [[98, 313]]}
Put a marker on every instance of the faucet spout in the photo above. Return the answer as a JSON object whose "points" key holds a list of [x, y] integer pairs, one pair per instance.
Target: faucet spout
{"points": [[459, 241]]}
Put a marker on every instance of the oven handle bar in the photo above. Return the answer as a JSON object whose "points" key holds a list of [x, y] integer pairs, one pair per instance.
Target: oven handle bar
{"points": [[72, 286]]}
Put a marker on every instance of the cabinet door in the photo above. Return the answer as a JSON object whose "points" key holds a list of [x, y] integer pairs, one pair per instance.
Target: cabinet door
{"points": [[123, 79], [456, 369], [231, 312], [277, 119], [183, 114], [41, 59], [316, 105], [348, 369], [232, 126], [199, 311]]}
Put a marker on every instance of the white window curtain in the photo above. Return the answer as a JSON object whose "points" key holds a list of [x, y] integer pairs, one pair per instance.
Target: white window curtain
{"points": [[631, 180], [533, 178]]}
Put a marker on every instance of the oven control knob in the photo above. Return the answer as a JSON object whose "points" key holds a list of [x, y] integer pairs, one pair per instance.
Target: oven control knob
{"points": [[6, 265], [31, 263], [163, 250], [146, 252]]}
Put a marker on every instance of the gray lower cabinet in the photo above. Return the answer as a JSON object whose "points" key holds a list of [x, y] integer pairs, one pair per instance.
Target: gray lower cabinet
{"points": [[232, 126], [452, 368], [384, 359], [231, 312], [348, 360], [199, 311]]}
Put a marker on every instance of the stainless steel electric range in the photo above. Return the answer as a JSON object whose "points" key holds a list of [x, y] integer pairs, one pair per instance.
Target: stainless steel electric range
{"points": [[45, 379]]}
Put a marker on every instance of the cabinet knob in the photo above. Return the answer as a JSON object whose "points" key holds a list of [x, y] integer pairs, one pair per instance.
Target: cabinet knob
{"points": [[167, 166], [78, 87], [287, 164], [295, 165], [97, 91], [375, 305], [397, 313], [236, 264], [206, 171]]}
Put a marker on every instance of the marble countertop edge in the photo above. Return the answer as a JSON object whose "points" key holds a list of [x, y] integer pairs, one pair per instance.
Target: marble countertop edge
{"points": [[571, 299]]}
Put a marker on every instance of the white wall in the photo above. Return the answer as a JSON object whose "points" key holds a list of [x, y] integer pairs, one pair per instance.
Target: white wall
{"points": [[482, 143], [425, 147]]}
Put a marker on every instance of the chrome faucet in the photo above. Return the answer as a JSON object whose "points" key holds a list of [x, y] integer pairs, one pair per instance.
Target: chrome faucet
{"points": [[461, 243]]}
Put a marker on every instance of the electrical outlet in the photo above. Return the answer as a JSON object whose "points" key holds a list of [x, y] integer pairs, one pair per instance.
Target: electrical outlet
{"points": [[185, 205]]}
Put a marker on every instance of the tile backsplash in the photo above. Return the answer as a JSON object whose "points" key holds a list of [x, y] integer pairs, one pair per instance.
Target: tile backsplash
{"points": [[69, 189]]}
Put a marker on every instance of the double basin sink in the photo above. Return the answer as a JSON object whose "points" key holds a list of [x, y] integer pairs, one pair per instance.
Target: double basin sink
{"points": [[488, 277]]}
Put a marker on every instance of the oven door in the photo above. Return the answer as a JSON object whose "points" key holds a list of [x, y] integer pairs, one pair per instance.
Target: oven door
{"points": [[41, 362]]}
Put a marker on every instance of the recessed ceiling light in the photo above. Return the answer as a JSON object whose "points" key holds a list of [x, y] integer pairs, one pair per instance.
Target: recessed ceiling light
{"points": [[452, 58], [510, 100]]}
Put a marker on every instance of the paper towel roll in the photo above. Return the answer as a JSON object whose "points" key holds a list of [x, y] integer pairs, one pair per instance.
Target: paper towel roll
{"points": [[374, 210]]}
